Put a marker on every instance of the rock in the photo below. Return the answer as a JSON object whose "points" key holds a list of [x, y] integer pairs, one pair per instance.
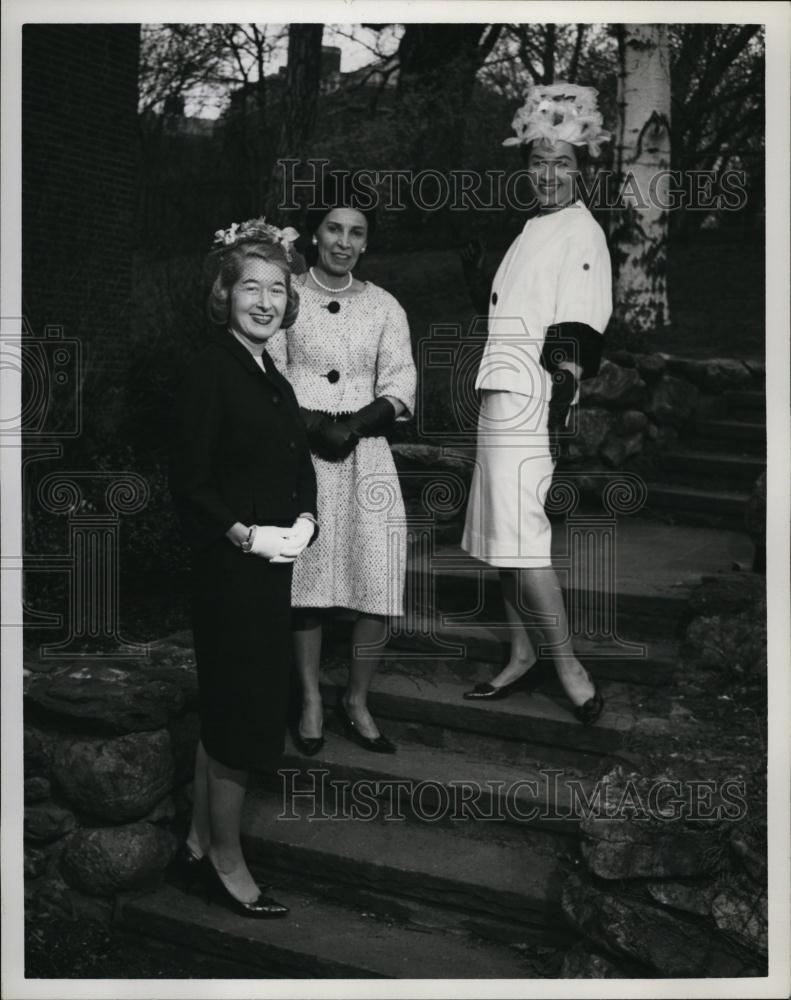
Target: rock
{"points": [[431, 458], [693, 899], [35, 862], [104, 861], [581, 962], [35, 757], [672, 401], [106, 699], [592, 427], [184, 735], [629, 422], [49, 895], [36, 789], [651, 366], [46, 821], [741, 911], [624, 358], [615, 848], [728, 593], [163, 811], [750, 847], [614, 386], [436, 481], [666, 437], [613, 451], [616, 450], [711, 374], [118, 780], [668, 944]]}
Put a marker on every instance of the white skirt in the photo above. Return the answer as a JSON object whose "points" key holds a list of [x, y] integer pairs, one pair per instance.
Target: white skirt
{"points": [[505, 523]]}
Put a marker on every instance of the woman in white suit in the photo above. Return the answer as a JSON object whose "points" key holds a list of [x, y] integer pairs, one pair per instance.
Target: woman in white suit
{"points": [[549, 305]]}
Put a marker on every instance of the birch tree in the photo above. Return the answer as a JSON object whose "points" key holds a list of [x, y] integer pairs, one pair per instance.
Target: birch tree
{"points": [[639, 241]]}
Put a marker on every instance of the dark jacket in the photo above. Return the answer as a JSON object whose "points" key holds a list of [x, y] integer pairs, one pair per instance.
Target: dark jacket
{"points": [[239, 449]]}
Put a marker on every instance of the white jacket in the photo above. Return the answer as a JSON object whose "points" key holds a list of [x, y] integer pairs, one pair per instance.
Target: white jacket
{"points": [[556, 271]]}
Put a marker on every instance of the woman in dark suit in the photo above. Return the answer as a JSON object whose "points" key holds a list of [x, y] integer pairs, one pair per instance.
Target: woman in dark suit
{"points": [[243, 483]]}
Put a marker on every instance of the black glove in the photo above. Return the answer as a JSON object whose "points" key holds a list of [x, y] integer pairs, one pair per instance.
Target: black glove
{"points": [[373, 419], [330, 439], [564, 387]]}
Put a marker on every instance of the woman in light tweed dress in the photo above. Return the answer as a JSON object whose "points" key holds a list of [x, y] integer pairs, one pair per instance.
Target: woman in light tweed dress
{"points": [[349, 360]]}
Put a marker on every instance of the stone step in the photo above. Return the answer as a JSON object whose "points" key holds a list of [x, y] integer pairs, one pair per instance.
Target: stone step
{"points": [[432, 710], [318, 940], [722, 508], [732, 436], [603, 601], [752, 401], [712, 469], [475, 868], [469, 649]]}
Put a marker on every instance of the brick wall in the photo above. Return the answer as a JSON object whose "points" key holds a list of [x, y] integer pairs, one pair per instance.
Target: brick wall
{"points": [[79, 172]]}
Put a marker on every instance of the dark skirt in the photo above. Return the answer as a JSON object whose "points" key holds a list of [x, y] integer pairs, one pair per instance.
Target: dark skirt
{"points": [[241, 620]]}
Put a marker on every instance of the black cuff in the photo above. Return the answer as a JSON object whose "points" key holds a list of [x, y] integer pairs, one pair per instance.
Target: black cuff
{"points": [[575, 342]]}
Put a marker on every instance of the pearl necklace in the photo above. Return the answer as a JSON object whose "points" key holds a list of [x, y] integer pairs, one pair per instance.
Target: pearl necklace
{"points": [[332, 291]]}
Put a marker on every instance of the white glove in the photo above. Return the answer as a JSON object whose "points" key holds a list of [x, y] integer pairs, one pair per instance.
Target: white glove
{"points": [[269, 541], [300, 534]]}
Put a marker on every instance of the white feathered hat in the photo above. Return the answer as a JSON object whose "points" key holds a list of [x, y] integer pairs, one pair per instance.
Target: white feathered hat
{"points": [[560, 112]]}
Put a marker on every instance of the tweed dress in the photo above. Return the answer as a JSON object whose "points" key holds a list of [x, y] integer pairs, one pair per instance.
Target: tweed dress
{"points": [[359, 558]]}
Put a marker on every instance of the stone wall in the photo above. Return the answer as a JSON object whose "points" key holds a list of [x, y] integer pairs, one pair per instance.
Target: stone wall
{"points": [[672, 875], [638, 405], [108, 755], [659, 894]]}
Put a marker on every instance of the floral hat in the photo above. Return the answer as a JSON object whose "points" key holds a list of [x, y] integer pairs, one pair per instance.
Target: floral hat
{"points": [[257, 229], [560, 112]]}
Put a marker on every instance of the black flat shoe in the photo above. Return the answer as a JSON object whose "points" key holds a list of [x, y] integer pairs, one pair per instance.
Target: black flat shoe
{"points": [[528, 682], [380, 745], [261, 908], [589, 711], [185, 867]]}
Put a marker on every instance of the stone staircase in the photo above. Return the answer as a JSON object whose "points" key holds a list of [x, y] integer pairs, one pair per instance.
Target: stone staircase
{"points": [[447, 859], [709, 476]]}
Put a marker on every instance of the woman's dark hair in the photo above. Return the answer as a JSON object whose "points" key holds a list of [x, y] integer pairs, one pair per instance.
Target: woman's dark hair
{"points": [[336, 190], [224, 268]]}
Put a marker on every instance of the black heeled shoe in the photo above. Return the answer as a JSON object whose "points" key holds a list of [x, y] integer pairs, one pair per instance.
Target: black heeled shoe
{"points": [[185, 867], [261, 908], [533, 678], [380, 745], [589, 711], [307, 745]]}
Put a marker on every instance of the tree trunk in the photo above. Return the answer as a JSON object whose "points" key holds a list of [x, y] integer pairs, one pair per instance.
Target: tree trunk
{"points": [[640, 240], [300, 97]]}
